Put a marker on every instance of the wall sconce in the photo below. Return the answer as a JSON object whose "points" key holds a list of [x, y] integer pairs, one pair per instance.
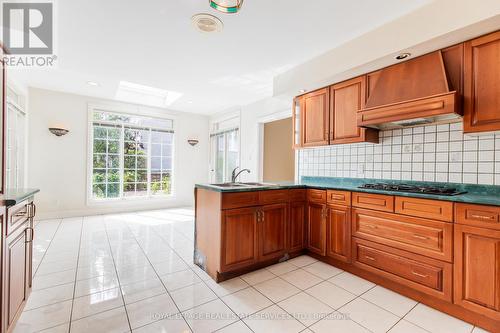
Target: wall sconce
{"points": [[57, 131], [193, 142]]}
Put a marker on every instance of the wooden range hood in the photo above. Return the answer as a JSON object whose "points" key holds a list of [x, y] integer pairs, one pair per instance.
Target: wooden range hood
{"points": [[410, 93]]}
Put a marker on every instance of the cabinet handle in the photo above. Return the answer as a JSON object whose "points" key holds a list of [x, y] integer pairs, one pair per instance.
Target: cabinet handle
{"points": [[481, 217], [371, 226], [370, 258], [420, 237], [257, 215], [419, 275], [262, 216]]}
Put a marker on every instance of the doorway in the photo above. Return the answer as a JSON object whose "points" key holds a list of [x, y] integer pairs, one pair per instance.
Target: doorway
{"points": [[279, 156]]}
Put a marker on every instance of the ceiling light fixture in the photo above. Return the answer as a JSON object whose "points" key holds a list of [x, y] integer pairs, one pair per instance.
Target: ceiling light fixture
{"points": [[402, 56], [207, 23], [226, 6], [93, 83], [301, 91]]}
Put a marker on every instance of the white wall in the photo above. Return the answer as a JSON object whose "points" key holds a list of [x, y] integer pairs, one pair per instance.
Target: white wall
{"points": [[58, 165]]}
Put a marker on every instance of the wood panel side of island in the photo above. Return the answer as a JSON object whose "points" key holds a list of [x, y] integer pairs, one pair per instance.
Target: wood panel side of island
{"points": [[208, 216]]}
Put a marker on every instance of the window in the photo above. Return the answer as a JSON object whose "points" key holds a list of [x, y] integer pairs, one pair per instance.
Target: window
{"points": [[132, 156], [225, 154]]}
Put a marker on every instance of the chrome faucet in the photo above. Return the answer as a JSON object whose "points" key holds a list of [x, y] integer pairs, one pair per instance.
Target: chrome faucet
{"points": [[235, 175]]}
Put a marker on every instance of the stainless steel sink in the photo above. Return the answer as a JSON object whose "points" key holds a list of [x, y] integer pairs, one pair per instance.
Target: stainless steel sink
{"points": [[251, 184]]}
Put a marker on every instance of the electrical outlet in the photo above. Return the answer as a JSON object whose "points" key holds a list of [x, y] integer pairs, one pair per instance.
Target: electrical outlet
{"points": [[407, 149]]}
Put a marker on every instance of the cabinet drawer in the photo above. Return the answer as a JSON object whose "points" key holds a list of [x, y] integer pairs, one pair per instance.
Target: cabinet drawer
{"points": [[426, 237], [273, 196], [316, 196], [478, 215], [297, 195], [373, 201], [429, 209], [17, 215], [240, 199], [339, 197], [423, 274]]}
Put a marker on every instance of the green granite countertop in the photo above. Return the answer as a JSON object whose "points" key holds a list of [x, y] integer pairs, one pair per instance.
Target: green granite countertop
{"points": [[478, 194], [12, 197]]}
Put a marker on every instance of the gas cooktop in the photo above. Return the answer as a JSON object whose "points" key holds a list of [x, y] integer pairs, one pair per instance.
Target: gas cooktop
{"points": [[424, 189]]}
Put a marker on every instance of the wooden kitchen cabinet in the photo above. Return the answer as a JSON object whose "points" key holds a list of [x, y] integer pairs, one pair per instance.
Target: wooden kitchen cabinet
{"points": [[316, 227], [482, 84], [346, 100], [239, 238], [315, 112], [477, 270], [272, 231], [297, 226], [338, 231]]}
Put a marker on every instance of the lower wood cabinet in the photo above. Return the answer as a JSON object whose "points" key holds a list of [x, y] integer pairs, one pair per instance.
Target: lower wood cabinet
{"points": [[338, 233], [17, 262], [477, 270], [297, 219], [272, 231], [239, 238], [316, 228], [253, 234]]}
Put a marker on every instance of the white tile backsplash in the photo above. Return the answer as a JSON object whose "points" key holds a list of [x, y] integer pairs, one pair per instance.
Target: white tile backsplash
{"points": [[439, 153]]}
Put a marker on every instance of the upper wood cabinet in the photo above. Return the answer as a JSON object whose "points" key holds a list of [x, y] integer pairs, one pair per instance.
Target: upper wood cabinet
{"points": [[346, 100], [482, 84], [314, 110]]}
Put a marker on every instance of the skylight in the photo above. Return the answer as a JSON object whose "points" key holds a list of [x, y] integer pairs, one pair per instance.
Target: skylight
{"points": [[140, 94]]}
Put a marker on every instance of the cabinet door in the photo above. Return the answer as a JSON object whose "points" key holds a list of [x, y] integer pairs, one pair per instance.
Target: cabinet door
{"points": [[482, 84], [272, 231], [297, 226], [315, 118], [16, 270], [297, 123], [477, 270], [316, 228], [347, 99], [338, 233], [239, 238]]}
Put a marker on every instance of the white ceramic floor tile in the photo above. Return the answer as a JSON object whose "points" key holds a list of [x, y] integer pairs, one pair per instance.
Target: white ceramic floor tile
{"points": [[149, 310], [404, 326], [88, 272], [336, 322], [44, 317], [180, 279], [238, 327], [246, 302], [95, 285], [53, 279], [192, 296], [389, 300], [175, 324], [323, 270], [136, 274], [352, 283], [227, 287], [436, 321], [112, 321], [305, 308], [330, 294], [301, 279], [210, 317], [479, 330], [276, 289], [369, 315], [54, 267], [64, 328], [259, 276], [281, 268], [302, 261], [141, 290], [171, 266], [95, 303], [273, 319], [49, 296]]}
